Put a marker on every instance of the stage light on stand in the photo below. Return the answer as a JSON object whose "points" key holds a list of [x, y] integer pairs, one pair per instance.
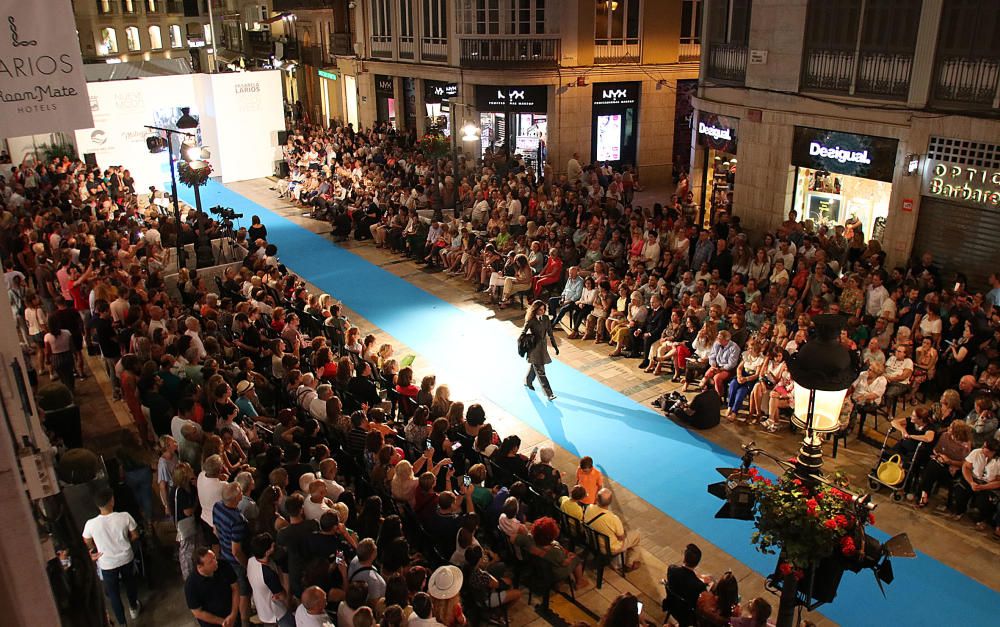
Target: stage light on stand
{"points": [[156, 144]]}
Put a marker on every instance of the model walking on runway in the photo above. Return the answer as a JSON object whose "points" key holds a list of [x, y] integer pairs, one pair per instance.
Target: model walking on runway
{"points": [[538, 325]]}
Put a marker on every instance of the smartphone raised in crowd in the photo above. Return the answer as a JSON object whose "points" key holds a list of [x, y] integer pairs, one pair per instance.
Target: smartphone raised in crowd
{"points": [[467, 480]]}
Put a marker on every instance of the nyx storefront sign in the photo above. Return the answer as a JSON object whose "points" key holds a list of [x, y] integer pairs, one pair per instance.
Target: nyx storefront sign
{"points": [[864, 156], [616, 94], [718, 132], [614, 124], [384, 86], [497, 98], [437, 91]]}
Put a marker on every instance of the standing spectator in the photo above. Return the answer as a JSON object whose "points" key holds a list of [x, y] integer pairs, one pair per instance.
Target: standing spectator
{"points": [[363, 569], [590, 478], [269, 596], [211, 591], [183, 503], [312, 611], [233, 532], [294, 540], [210, 484], [109, 537]]}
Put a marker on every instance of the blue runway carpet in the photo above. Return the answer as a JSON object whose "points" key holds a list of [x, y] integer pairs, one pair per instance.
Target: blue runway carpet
{"points": [[664, 464]]}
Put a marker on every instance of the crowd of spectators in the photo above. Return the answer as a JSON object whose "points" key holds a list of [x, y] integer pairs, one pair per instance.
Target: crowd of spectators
{"points": [[711, 305], [309, 475], [310, 480]]}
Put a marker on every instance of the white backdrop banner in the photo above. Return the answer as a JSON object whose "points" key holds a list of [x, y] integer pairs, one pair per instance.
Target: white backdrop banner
{"points": [[239, 117], [42, 85]]}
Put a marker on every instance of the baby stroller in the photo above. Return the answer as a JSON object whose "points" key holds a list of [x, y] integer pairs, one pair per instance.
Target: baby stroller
{"points": [[892, 471]]}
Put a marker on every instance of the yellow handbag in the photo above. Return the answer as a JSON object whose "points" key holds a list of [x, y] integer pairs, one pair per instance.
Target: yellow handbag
{"points": [[890, 472]]}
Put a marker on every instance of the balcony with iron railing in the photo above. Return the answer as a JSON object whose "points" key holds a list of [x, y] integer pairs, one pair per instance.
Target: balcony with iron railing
{"points": [[488, 52], [689, 51], [962, 81], [877, 74], [618, 50], [727, 62], [434, 49], [340, 44], [303, 5], [407, 47], [383, 46]]}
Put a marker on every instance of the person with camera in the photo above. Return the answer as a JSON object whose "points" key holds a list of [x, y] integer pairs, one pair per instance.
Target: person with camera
{"points": [[702, 412]]}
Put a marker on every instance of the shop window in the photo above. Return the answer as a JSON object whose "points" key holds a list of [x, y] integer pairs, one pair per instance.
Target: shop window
{"points": [[435, 21], [155, 38], [691, 22], [108, 43], [132, 38], [617, 22], [176, 41]]}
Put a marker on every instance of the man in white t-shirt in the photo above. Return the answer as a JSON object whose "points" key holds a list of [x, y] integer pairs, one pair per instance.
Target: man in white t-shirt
{"points": [[210, 484], [981, 480], [109, 537], [312, 611], [898, 370], [317, 504], [269, 596]]}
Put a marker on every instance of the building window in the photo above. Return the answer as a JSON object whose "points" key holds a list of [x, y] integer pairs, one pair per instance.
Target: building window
{"points": [[967, 66], [406, 20], [381, 19], [207, 30], [435, 21], [175, 36], [104, 7], [132, 38], [617, 22], [860, 46], [528, 17], [730, 22], [128, 6], [151, 6], [109, 42], [487, 17], [691, 22], [155, 38]]}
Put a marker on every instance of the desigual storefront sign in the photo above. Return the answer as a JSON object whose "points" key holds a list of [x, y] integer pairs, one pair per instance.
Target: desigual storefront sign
{"points": [[965, 184], [850, 154], [718, 131]]}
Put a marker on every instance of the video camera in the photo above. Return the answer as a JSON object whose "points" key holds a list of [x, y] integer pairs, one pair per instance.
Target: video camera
{"points": [[225, 213], [672, 402]]}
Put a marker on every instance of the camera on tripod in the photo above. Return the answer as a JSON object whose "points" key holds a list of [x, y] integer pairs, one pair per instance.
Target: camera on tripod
{"points": [[225, 213]]}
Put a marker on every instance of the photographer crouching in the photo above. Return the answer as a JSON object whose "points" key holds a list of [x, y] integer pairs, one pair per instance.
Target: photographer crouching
{"points": [[702, 412]]}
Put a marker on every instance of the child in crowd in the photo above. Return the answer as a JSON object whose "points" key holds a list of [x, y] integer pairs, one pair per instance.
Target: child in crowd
{"points": [[590, 478]]}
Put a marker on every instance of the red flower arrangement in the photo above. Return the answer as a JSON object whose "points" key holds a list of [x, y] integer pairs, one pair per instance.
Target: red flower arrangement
{"points": [[804, 524], [193, 176], [434, 145]]}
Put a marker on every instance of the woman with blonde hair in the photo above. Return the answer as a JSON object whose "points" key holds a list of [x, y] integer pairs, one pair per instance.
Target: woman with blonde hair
{"points": [[184, 502], [403, 484], [441, 402], [536, 332]]}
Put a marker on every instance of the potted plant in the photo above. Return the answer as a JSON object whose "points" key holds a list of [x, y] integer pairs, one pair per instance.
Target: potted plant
{"points": [[194, 177]]}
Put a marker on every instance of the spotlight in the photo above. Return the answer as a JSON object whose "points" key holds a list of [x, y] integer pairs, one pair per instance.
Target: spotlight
{"points": [[186, 121], [156, 144]]}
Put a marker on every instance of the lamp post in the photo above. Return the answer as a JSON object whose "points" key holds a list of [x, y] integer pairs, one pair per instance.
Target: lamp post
{"points": [[822, 371], [155, 144]]}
